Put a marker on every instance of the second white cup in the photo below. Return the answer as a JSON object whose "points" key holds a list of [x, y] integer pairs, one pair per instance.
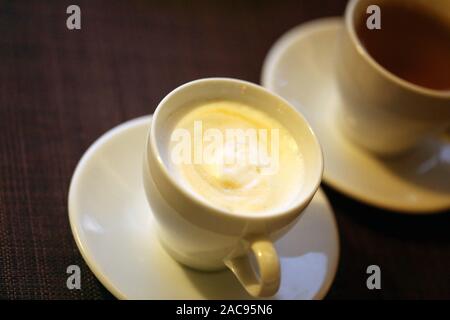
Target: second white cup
{"points": [[380, 111]]}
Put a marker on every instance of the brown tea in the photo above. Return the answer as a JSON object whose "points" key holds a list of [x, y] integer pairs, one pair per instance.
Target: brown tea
{"points": [[412, 43]]}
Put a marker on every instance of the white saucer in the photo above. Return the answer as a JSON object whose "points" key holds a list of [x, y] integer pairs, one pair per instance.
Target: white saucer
{"points": [[114, 230], [299, 67]]}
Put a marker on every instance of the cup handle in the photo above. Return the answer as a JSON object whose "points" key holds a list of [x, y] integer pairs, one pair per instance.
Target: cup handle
{"points": [[265, 284]]}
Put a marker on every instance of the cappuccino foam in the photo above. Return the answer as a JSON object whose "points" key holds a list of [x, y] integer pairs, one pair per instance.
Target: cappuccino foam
{"points": [[236, 157]]}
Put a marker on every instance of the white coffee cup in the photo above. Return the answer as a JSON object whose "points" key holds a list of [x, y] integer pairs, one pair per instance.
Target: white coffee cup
{"points": [[380, 111], [204, 237]]}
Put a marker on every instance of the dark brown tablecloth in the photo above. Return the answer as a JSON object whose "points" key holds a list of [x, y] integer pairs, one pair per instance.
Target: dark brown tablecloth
{"points": [[61, 89]]}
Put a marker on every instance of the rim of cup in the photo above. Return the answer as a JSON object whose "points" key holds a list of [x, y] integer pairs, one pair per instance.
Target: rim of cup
{"points": [[350, 26], [298, 204]]}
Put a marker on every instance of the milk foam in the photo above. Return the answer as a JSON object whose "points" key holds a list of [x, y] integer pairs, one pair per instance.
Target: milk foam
{"points": [[241, 178]]}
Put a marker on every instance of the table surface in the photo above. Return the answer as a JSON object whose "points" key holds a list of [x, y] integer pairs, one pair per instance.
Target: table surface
{"points": [[61, 89]]}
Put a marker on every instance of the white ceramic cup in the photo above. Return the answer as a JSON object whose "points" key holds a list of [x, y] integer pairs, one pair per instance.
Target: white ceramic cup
{"points": [[204, 237], [380, 111]]}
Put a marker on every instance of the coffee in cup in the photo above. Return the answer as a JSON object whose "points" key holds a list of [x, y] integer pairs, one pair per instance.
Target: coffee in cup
{"points": [[413, 43]]}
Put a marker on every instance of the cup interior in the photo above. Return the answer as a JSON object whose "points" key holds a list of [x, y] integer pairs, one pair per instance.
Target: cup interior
{"points": [[357, 8], [181, 99]]}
